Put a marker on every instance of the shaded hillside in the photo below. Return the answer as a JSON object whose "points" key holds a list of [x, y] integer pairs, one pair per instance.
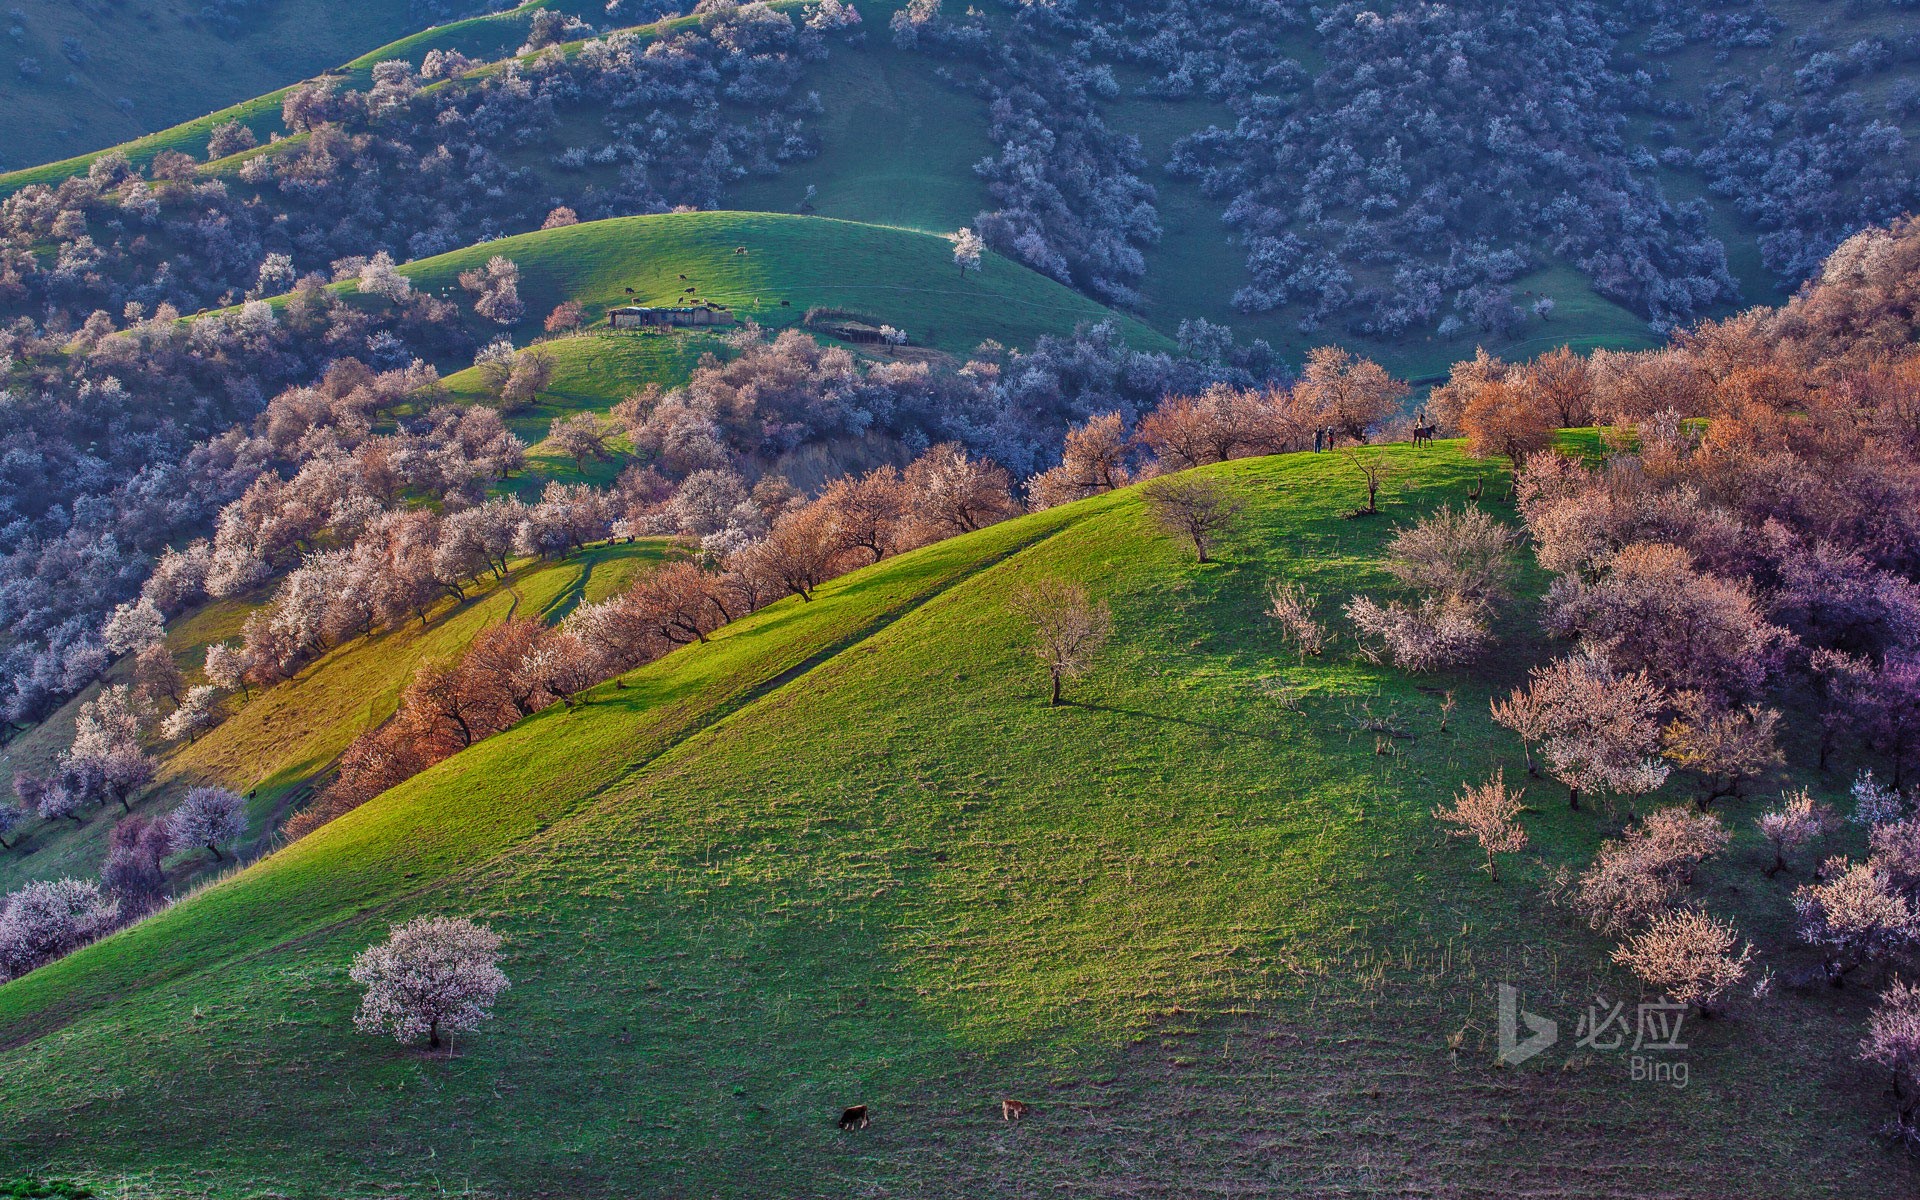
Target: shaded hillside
{"points": [[81, 76], [1409, 186], [846, 854], [773, 268], [487, 36], [279, 742]]}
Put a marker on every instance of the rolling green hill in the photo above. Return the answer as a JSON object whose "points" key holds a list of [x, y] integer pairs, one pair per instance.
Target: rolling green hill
{"points": [[279, 742], [288, 736], [772, 268], [767, 267], [897, 147], [167, 61], [846, 854]]}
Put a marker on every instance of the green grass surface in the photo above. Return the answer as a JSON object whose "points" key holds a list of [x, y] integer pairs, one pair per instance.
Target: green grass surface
{"points": [[194, 68], [846, 854], [279, 741], [897, 148], [294, 733], [900, 276], [592, 372], [169, 63]]}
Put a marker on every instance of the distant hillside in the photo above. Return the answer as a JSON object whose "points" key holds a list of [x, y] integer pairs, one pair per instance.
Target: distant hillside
{"points": [[291, 734], [1673, 162], [84, 75], [279, 742], [207, 54], [773, 268], [1198, 919]]}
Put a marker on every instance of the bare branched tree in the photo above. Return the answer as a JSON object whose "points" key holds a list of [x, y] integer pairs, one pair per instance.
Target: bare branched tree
{"points": [[1376, 469], [1198, 510], [1068, 628]]}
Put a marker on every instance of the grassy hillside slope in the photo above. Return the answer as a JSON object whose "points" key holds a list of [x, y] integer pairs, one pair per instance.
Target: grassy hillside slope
{"points": [[174, 67], [289, 735], [846, 854], [789, 264], [279, 741], [897, 148], [772, 268]]}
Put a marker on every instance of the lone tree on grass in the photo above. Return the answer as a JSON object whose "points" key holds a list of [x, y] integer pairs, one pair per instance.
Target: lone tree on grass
{"points": [[432, 973], [1376, 472], [210, 816], [1297, 613], [1799, 820], [1893, 1042], [1688, 955], [1198, 510], [1068, 628], [1486, 814], [967, 251]]}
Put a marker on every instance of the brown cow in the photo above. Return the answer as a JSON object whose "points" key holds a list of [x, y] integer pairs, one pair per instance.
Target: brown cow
{"points": [[855, 1118], [1013, 1110]]}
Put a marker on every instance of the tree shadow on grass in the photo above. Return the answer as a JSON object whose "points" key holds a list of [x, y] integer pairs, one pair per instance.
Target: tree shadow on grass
{"points": [[1166, 718]]}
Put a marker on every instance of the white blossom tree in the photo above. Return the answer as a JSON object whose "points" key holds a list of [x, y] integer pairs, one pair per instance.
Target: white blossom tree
{"points": [[497, 290], [1799, 820], [1595, 726], [1893, 1042], [47, 919], [209, 816], [1855, 916], [1433, 634], [133, 626], [968, 251], [379, 278], [1638, 876], [226, 666], [431, 974], [199, 711], [106, 761], [1874, 803]]}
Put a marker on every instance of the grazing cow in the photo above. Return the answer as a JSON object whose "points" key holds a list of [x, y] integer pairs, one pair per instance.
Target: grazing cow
{"points": [[1013, 1110], [855, 1118]]}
